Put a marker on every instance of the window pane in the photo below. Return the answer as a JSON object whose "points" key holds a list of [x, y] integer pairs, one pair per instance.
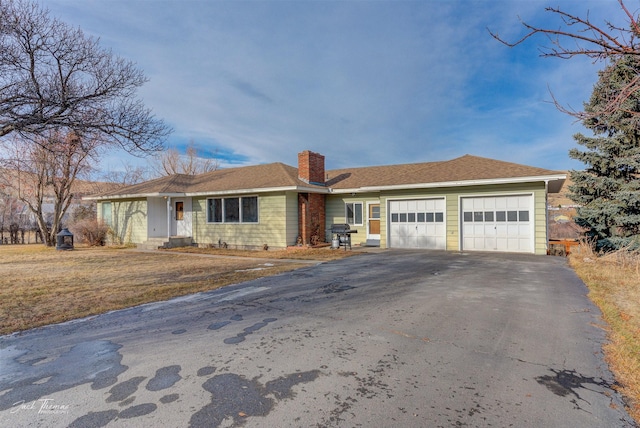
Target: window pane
{"points": [[357, 208], [354, 213], [501, 216], [412, 218], [439, 217], [523, 215], [467, 216], [512, 215], [403, 217], [488, 216], [214, 210], [179, 210], [477, 216], [349, 213], [106, 213], [420, 217], [231, 210], [394, 218], [250, 209], [375, 211]]}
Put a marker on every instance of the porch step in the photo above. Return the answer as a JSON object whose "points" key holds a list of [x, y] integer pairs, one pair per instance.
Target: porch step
{"points": [[372, 243], [172, 242]]}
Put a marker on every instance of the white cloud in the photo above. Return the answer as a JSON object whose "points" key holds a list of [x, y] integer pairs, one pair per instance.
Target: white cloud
{"points": [[362, 82]]}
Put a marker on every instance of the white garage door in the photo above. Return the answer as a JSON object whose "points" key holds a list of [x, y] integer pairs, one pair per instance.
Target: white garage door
{"points": [[501, 223], [417, 223]]}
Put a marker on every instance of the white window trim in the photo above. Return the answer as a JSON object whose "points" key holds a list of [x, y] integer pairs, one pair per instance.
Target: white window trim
{"points": [[346, 218], [239, 210]]}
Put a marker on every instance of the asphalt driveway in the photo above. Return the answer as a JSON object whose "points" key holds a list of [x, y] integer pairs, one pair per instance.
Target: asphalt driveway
{"points": [[396, 338]]}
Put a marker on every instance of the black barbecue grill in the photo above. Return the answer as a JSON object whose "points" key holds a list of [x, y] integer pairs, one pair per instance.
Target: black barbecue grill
{"points": [[341, 236]]}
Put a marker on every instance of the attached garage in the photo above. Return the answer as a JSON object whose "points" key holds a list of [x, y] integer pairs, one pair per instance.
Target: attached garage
{"points": [[498, 223], [417, 223]]}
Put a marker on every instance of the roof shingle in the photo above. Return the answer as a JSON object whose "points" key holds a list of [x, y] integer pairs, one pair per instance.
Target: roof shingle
{"points": [[279, 175], [464, 168]]}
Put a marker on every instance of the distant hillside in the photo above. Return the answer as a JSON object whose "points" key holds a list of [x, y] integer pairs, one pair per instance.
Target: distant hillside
{"points": [[79, 189], [83, 188], [561, 199]]}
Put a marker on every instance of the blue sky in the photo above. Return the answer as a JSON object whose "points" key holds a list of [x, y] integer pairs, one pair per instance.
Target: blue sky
{"points": [[362, 82]]}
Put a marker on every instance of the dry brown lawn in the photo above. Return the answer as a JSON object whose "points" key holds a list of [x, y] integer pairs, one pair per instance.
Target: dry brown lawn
{"points": [[614, 285], [40, 286], [322, 253]]}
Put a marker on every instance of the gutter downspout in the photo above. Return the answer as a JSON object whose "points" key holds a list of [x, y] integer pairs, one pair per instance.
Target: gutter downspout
{"points": [[546, 215], [168, 217]]}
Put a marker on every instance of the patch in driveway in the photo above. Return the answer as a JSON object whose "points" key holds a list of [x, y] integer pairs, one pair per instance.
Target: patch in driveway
{"points": [[96, 362], [235, 397], [567, 382], [247, 331]]}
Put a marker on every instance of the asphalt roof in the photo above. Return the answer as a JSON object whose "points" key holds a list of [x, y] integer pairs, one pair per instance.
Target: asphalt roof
{"points": [[466, 168]]}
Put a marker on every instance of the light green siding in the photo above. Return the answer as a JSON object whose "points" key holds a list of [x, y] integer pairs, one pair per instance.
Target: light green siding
{"points": [[128, 220], [336, 214], [277, 224], [452, 195], [291, 218]]}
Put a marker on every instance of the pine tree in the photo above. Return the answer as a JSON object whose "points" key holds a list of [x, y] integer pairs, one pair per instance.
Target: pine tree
{"points": [[608, 190]]}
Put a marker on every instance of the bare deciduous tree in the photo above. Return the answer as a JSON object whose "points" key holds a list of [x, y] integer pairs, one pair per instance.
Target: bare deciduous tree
{"points": [[44, 173], [128, 175], [54, 77], [578, 36], [10, 211], [172, 162]]}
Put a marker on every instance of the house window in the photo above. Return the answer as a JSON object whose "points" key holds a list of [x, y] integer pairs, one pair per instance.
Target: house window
{"points": [[106, 213], [232, 210], [214, 210], [354, 213], [179, 210], [250, 209]]}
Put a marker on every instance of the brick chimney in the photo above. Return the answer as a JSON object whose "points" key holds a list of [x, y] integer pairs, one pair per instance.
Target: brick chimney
{"points": [[311, 206], [311, 167]]}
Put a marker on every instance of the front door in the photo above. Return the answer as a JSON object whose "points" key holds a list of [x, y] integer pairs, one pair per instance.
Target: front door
{"points": [[181, 217], [373, 229]]}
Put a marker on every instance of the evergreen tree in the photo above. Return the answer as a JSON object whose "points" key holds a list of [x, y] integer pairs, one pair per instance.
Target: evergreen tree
{"points": [[608, 190]]}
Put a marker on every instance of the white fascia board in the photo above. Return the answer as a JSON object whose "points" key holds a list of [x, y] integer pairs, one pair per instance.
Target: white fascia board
{"points": [[484, 182], [210, 193], [259, 190], [133, 196]]}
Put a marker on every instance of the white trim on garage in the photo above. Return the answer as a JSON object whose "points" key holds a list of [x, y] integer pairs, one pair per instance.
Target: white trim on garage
{"points": [[417, 223], [504, 223]]}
